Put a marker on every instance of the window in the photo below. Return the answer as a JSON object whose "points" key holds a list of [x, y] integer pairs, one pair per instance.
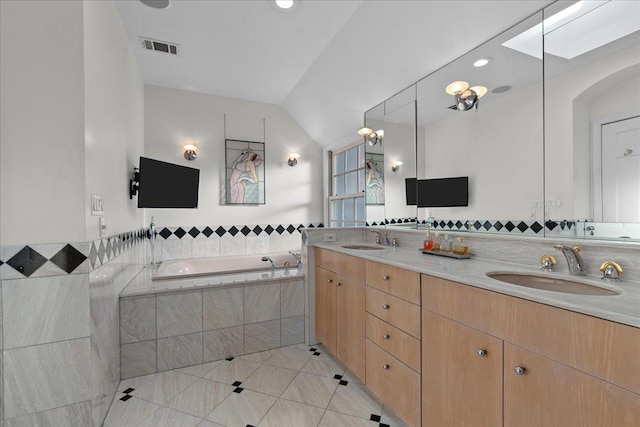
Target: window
{"points": [[346, 203]]}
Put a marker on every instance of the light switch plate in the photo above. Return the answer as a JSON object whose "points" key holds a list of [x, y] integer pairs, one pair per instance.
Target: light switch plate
{"points": [[97, 207]]}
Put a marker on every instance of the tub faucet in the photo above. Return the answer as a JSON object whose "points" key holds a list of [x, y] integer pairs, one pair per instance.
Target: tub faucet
{"points": [[273, 265], [576, 265], [152, 240], [298, 256], [381, 239]]}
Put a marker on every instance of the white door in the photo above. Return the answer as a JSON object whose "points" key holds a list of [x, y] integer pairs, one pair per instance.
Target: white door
{"points": [[621, 171]]}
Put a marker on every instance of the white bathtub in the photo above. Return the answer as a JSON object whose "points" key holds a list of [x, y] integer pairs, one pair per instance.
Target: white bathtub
{"points": [[195, 267]]}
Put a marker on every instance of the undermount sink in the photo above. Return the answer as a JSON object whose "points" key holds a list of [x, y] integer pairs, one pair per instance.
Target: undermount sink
{"points": [[550, 283], [363, 247]]}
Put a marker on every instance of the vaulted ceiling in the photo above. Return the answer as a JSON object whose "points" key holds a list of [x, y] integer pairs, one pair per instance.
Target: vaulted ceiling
{"points": [[324, 61]]}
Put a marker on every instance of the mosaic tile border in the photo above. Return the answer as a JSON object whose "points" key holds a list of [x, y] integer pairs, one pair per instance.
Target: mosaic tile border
{"points": [[107, 249], [207, 231], [39, 260]]}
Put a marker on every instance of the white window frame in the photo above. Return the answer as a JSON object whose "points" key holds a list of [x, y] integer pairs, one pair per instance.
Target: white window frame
{"points": [[343, 222]]}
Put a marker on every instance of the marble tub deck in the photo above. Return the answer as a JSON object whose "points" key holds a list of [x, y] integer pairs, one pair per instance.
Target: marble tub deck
{"points": [[296, 386]]}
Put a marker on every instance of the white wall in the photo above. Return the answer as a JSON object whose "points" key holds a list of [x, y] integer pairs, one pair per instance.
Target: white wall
{"points": [[41, 122], [176, 117], [114, 119]]}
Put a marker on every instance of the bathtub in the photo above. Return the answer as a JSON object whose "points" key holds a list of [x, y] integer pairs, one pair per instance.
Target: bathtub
{"points": [[197, 267]]}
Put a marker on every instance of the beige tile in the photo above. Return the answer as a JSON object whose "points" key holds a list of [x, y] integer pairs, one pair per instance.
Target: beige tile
{"points": [[334, 419], [164, 387], [170, 417], [205, 423], [130, 413], [261, 302], [259, 357], [179, 351], [222, 308], [292, 331], [351, 377], [262, 336], [199, 370], [138, 359], [289, 357], [201, 398], [292, 298], [222, 343], [179, 314], [229, 372], [324, 365], [135, 382], [78, 414], [269, 380], [292, 414], [137, 319], [240, 409], [355, 400], [311, 389]]}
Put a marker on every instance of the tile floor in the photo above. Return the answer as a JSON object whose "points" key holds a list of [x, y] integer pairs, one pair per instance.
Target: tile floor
{"points": [[293, 386]]}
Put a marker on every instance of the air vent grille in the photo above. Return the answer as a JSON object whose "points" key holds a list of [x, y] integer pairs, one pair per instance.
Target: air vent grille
{"points": [[159, 46]]}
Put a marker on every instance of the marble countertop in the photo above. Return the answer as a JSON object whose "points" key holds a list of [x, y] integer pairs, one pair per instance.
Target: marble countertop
{"points": [[623, 308], [143, 285]]}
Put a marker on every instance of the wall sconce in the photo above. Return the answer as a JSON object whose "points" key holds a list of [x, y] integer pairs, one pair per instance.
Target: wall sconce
{"points": [[466, 97], [395, 167], [370, 136], [293, 159], [190, 152]]}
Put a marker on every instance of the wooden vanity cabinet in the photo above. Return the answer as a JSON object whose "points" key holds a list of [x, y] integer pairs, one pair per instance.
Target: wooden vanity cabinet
{"points": [[340, 307]]}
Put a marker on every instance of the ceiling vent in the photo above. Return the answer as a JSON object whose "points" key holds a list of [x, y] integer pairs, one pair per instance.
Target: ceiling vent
{"points": [[159, 46]]}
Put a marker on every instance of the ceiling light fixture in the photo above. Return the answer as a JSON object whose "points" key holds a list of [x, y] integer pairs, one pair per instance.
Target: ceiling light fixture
{"points": [[284, 4], [481, 62], [466, 97]]}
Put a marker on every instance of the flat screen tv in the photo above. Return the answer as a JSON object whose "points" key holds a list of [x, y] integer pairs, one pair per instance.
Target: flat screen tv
{"points": [[166, 185], [411, 191], [443, 192]]}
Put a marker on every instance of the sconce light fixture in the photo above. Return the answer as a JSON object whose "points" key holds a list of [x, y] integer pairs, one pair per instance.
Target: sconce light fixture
{"points": [[293, 159], [395, 167], [370, 136], [190, 152], [466, 97]]}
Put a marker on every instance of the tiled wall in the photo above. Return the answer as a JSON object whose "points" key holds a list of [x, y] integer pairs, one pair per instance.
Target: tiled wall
{"points": [[167, 331]]}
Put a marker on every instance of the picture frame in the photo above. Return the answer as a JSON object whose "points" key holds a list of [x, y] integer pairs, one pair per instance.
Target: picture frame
{"points": [[245, 172]]}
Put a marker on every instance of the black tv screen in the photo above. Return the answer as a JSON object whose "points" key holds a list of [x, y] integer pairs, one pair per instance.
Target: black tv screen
{"points": [[165, 185], [443, 192], [411, 190]]}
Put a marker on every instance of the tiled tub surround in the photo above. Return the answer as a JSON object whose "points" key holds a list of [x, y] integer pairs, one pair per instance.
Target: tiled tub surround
{"points": [[169, 324]]}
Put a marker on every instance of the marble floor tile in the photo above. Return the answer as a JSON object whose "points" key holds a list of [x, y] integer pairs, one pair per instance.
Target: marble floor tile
{"points": [[292, 414], [129, 413], [351, 377], [240, 409], [391, 419], [164, 387], [324, 365], [206, 423], [311, 389], [290, 358], [169, 417], [200, 398], [259, 357], [78, 414], [269, 380], [199, 370], [230, 371], [354, 399], [334, 419], [136, 382]]}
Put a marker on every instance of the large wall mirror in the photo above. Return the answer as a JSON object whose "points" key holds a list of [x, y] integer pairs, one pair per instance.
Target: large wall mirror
{"points": [[592, 118]]}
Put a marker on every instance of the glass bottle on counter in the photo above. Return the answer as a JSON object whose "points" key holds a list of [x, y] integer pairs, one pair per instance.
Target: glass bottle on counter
{"points": [[437, 239], [446, 244], [460, 247], [428, 240]]}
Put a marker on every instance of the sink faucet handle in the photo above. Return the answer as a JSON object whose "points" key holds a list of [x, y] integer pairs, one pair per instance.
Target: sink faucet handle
{"points": [[611, 270], [547, 262]]}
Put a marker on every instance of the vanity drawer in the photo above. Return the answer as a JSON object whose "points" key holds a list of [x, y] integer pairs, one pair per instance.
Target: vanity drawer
{"points": [[394, 383], [399, 313], [391, 339], [396, 281]]}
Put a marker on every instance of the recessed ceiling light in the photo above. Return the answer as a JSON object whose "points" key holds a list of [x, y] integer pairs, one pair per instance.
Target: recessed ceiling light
{"points": [[284, 4], [156, 4], [481, 62]]}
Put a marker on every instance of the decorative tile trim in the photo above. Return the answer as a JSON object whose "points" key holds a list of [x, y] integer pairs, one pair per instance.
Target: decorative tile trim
{"points": [[207, 231], [107, 249], [39, 260], [490, 226]]}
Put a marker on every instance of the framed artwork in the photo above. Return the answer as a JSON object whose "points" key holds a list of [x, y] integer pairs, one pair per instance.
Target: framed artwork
{"points": [[244, 162], [374, 179]]}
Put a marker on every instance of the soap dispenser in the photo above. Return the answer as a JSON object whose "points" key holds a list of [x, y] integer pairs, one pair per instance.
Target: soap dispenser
{"points": [[428, 240]]}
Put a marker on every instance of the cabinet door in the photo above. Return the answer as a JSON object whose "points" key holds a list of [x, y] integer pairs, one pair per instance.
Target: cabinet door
{"points": [[460, 385], [350, 302], [548, 393], [325, 281]]}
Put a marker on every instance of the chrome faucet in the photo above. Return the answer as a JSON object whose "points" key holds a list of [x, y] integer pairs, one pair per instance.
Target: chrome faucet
{"points": [[576, 265], [152, 240], [298, 256], [273, 265], [381, 239]]}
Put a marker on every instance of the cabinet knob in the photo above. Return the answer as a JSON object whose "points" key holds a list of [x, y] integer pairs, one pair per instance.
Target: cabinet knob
{"points": [[519, 370], [385, 337], [480, 352], [338, 284], [329, 280], [385, 367], [385, 306], [385, 277]]}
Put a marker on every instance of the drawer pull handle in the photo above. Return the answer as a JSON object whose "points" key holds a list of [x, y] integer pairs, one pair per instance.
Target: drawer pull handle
{"points": [[329, 280], [385, 367], [385, 306], [385, 277], [385, 337], [519, 370], [338, 284], [480, 352]]}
